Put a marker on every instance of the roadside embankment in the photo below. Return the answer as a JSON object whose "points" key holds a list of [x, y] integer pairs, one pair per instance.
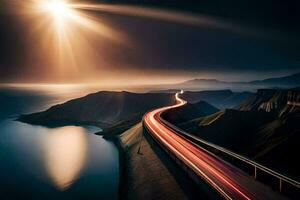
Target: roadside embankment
{"points": [[143, 174]]}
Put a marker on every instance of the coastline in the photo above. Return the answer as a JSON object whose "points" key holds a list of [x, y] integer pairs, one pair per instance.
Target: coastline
{"points": [[122, 191]]}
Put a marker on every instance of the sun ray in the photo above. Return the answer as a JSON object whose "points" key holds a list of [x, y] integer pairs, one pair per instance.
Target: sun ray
{"points": [[65, 35]]}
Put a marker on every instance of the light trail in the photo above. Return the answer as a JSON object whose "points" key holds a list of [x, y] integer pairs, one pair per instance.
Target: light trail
{"points": [[229, 181]]}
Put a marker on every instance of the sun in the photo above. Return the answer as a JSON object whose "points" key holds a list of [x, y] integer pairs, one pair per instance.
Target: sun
{"points": [[59, 9], [67, 36], [59, 12], [56, 7]]}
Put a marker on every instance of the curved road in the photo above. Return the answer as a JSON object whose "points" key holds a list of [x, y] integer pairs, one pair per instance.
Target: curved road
{"points": [[228, 180]]}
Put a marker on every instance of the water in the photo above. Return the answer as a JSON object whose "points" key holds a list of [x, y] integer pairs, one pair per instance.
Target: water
{"points": [[67, 162]]}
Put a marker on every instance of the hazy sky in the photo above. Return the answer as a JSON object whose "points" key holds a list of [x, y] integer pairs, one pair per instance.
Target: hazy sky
{"points": [[150, 50]]}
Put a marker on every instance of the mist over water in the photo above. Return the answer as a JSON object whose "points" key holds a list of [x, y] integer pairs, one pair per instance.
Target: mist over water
{"points": [[67, 162]]}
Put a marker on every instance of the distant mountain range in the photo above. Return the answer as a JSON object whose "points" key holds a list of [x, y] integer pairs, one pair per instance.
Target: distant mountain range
{"points": [[290, 81]]}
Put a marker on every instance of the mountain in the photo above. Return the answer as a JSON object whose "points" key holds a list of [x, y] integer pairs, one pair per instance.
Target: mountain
{"points": [[278, 143], [277, 101], [165, 91], [233, 129], [235, 99], [218, 98], [189, 111], [104, 109], [287, 82], [201, 84], [292, 80], [265, 127], [203, 81]]}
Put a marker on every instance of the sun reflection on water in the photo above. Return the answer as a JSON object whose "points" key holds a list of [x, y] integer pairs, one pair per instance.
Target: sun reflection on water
{"points": [[65, 155]]}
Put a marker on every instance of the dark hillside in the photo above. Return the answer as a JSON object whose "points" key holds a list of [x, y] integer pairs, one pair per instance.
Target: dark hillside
{"points": [[189, 112], [265, 127], [218, 98], [104, 109]]}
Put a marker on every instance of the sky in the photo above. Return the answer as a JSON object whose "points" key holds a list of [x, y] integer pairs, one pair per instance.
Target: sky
{"points": [[149, 45]]}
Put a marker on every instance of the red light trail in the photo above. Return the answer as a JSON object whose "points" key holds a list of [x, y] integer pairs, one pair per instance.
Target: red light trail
{"points": [[229, 181]]}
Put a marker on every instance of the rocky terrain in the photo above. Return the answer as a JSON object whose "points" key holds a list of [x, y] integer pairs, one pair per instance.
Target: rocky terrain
{"points": [[265, 127]]}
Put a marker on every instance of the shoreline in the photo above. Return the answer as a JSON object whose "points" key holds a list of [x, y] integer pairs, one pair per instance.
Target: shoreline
{"points": [[122, 189]]}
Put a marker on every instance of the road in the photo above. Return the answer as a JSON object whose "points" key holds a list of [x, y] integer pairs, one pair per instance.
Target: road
{"points": [[229, 181]]}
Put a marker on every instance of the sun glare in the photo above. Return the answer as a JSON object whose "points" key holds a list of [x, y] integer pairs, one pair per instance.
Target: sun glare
{"points": [[57, 8], [67, 37]]}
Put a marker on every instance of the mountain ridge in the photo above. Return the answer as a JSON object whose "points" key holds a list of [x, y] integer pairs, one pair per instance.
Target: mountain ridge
{"points": [[289, 80], [200, 108], [218, 98], [278, 101], [104, 109]]}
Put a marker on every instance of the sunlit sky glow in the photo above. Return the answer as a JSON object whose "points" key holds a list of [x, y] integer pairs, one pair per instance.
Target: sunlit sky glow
{"points": [[68, 41], [67, 35]]}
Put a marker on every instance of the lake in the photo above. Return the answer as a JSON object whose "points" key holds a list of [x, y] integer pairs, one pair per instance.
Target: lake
{"points": [[67, 162]]}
